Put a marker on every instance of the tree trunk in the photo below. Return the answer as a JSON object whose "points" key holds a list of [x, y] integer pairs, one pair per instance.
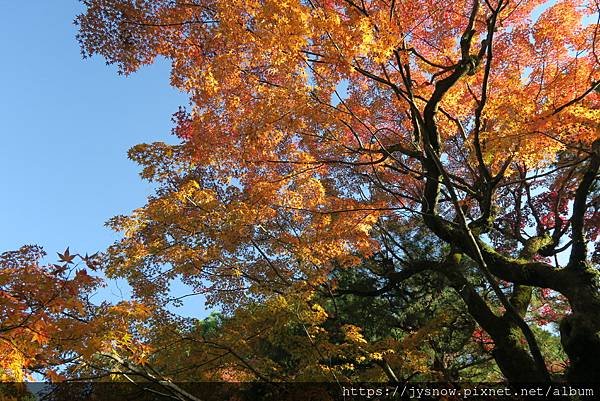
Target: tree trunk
{"points": [[510, 353], [580, 331]]}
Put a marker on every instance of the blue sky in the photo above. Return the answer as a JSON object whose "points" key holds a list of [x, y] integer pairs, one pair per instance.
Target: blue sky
{"points": [[66, 125]]}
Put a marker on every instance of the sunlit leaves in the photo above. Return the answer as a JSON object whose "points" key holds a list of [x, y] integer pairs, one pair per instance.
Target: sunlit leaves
{"points": [[42, 308], [316, 128]]}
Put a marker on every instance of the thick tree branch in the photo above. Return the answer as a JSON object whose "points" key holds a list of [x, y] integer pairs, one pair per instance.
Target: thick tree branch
{"points": [[579, 247]]}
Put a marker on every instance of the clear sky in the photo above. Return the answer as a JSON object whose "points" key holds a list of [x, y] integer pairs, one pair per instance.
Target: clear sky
{"points": [[66, 125]]}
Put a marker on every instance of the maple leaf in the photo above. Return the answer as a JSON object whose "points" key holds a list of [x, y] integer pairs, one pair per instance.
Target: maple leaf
{"points": [[66, 256]]}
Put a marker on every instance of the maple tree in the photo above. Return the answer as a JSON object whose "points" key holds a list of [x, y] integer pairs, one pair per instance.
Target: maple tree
{"points": [[42, 312], [329, 137], [51, 327]]}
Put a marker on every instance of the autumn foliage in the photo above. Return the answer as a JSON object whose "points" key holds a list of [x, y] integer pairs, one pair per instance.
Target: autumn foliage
{"points": [[40, 307], [369, 190]]}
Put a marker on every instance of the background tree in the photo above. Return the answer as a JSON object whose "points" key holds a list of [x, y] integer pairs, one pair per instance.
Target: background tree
{"points": [[43, 311], [51, 328], [318, 130]]}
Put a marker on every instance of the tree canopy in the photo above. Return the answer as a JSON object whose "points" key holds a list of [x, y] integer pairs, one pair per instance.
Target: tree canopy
{"points": [[404, 188]]}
